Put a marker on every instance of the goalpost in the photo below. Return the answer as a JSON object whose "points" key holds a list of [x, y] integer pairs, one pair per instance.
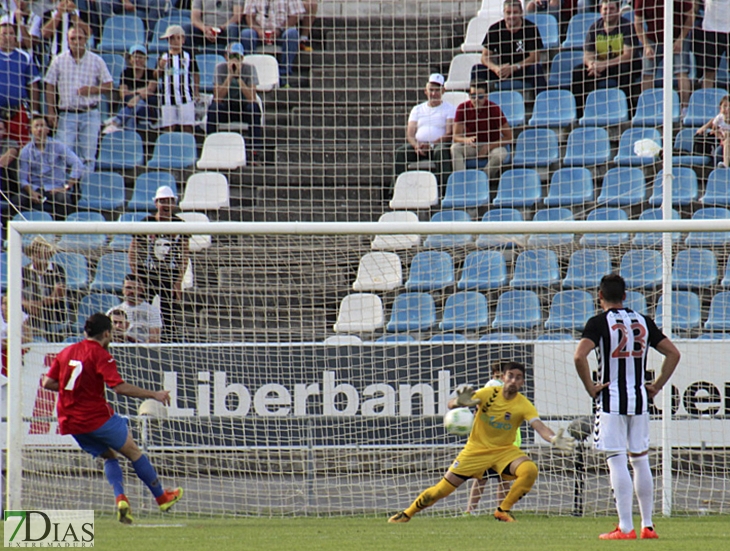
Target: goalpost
{"points": [[307, 425]]}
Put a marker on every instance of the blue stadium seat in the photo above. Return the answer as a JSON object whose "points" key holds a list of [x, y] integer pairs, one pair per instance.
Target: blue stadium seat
{"points": [[120, 32], [173, 150], [115, 64], [4, 269], [447, 338], [586, 267], [561, 68], [709, 239], [76, 268], [512, 105], [686, 314], [587, 147], [554, 337], [91, 304], [102, 191], [684, 150], [465, 311], [551, 239], [110, 272], [570, 187], [34, 216], [726, 277], [499, 337], [605, 107], [206, 70], [684, 187], [120, 150], [466, 189], [654, 239], [635, 301], [83, 242], [396, 339], [483, 271], [570, 310], [623, 186], [704, 104], [650, 108], [554, 108], [718, 318], [496, 240], [606, 239], [694, 269], [536, 147], [145, 187], [430, 271], [641, 269], [717, 190], [412, 312], [626, 155], [442, 241], [121, 242], [547, 26], [157, 44], [578, 28], [517, 310], [518, 188], [536, 268]]}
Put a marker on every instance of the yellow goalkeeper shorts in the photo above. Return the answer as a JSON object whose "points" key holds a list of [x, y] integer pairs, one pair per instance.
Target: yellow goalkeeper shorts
{"points": [[476, 464]]}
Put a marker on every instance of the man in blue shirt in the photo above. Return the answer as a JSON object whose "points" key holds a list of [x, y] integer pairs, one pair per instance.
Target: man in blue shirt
{"points": [[18, 73], [44, 171]]}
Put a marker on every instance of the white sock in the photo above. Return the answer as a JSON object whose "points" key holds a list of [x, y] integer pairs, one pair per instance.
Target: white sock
{"points": [[622, 490], [644, 488]]}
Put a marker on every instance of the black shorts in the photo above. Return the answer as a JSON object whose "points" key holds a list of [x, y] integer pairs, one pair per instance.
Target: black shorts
{"points": [[709, 47]]}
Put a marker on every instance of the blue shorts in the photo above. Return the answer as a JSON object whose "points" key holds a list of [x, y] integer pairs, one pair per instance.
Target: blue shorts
{"points": [[112, 434]]}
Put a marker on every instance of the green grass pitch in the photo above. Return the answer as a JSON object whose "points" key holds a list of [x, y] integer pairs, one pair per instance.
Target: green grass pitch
{"points": [[424, 533]]}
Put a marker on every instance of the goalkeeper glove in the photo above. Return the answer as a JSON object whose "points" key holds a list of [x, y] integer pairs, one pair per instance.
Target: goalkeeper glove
{"points": [[464, 395], [563, 442]]}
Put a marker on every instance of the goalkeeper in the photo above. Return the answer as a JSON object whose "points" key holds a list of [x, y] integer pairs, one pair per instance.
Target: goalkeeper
{"points": [[500, 412]]}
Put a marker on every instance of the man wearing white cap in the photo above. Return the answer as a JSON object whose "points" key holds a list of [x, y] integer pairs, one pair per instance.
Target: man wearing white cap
{"points": [[160, 261], [179, 80], [429, 131]]}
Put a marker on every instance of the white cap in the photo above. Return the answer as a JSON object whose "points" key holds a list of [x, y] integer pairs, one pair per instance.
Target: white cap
{"points": [[165, 192], [436, 78]]}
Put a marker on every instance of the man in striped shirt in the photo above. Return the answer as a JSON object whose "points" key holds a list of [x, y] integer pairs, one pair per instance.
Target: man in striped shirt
{"points": [[621, 339]]}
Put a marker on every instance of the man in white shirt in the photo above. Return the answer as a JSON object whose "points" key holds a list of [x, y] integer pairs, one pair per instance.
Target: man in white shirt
{"points": [[429, 132], [144, 319]]}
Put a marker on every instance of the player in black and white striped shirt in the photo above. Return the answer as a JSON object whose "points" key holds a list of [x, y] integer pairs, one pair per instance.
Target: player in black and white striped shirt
{"points": [[621, 339]]}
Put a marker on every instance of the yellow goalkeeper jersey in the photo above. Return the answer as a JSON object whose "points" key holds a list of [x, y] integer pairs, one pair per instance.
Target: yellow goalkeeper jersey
{"points": [[497, 420]]}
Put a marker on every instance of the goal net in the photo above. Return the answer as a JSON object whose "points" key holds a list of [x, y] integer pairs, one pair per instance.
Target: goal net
{"points": [[310, 365]]}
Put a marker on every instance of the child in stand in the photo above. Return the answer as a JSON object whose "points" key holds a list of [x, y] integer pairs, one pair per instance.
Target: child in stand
{"points": [[477, 487], [719, 126], [179, 81]]}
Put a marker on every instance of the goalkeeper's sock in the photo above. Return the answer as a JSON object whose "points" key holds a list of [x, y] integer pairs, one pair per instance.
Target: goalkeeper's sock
{"points": [[430, 496], [526, 474], [643, 488], [113, 473], [147, 474], [623, 492]]}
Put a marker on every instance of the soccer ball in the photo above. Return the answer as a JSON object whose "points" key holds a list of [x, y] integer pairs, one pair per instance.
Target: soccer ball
{"points": [[458, 421]]}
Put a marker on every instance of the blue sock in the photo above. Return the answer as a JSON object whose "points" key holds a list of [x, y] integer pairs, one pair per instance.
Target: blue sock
{"points": [[113, 473], [147, 474]]}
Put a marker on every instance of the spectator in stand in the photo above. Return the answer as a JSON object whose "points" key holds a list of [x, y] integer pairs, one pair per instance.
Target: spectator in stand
{"points": [[75, 82], [26, 23], [305, 24], [178, 78], [144, 321], [274, 21], [429, 132], [96, 12], [137, 88], [44, 289], [19, 78], [25, 333], [49, 171], [719, 126], [120, 325], [234, 96], [9, 149], [214, 23], [56, 28], [149, 11], [481, 131], [511, 51], [609, 53], [553, 7], [160, 262], [649, 25], [712, 40]]}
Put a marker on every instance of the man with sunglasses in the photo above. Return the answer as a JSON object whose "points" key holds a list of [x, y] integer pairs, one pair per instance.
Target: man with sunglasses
{"points": [[481, 132]]}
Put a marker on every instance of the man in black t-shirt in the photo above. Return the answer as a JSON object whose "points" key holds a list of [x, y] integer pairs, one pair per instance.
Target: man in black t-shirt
{"points": [[511, 51]]}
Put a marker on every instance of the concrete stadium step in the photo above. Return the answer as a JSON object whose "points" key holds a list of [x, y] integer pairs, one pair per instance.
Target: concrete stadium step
{"points": [[339, 96], [351, 192], [364, 117], [283, 174], [304, 136], [335, 155], [433, 58]]}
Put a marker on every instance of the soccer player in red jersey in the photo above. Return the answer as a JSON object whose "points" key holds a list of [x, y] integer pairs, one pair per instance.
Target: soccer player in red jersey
{"points": [[79, 374]]}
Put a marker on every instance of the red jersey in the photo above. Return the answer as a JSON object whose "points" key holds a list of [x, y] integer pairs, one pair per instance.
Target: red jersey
{"points": [[484, 123], [81, 371]]}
